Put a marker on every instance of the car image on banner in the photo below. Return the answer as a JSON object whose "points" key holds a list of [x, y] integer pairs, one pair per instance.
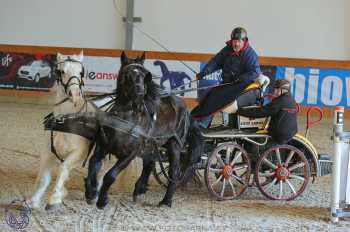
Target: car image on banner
{"points": [[35, 70]]}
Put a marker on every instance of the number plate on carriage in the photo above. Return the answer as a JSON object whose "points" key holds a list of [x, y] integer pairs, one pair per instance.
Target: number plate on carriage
{"points": [[245, 122]]}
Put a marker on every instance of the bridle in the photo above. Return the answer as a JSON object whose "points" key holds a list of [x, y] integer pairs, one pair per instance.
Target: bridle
{"points": [[143, 72], [66, 86], [69, 83]]}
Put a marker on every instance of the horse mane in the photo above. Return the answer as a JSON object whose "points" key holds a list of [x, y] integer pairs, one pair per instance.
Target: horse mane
{"points": [[118, 93], [153, 96]]}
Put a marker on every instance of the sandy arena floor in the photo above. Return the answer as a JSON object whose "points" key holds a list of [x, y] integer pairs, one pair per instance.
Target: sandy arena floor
{"points": [[22, 139]]}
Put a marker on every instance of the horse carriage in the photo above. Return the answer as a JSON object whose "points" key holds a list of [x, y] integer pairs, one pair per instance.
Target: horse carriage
{"points": [[239, 153], [146, 122]]}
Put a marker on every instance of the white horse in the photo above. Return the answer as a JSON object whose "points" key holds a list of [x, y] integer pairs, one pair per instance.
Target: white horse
{"points": [[71, 148]]}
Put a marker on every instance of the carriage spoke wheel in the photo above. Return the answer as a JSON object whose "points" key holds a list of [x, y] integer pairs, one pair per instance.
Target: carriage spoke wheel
{"points": [[282, 173], [228, 171], [159, 175]]}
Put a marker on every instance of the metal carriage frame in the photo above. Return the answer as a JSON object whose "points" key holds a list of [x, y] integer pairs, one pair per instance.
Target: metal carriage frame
{"points": [[221, 168]]}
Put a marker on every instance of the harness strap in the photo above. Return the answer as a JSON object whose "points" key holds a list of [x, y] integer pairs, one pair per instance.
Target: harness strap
{"points": [[290, 110], [62, 101]]}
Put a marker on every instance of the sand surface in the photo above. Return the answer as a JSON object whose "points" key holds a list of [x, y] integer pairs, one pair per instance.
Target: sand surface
{"points": [[22, 139]]}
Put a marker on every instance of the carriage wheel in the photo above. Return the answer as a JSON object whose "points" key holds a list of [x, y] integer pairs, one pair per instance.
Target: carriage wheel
{"points": [[158, 174], [282, 173], [228, 171]]}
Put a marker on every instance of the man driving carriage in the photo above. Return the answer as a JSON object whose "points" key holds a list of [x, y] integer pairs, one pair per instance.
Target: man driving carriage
{"points": [[240, 67]]}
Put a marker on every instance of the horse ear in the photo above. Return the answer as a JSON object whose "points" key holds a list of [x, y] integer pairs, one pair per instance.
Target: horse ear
{"points": [[59, 56], [148, 77], [123, 58], [143, 57], [81, 56]]}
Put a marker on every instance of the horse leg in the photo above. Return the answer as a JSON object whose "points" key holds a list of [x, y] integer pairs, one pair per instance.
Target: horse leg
{"points": [[195, 150], [43, 179], [174, 165], [142, 182], [72, 161], [91, 182], [109, 179]]}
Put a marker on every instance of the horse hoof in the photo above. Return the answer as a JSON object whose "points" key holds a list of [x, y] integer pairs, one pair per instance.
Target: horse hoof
{"points": [[52, 207], [143, 190], [165, 203], [101, 204], [31, 204], [91, 201]]}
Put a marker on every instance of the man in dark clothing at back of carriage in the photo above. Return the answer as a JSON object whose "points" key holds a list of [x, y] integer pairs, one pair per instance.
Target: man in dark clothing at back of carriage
{"points": [[240, 66], [283, 111]]}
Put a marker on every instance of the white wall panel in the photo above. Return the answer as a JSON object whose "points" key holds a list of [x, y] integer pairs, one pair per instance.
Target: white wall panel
{"points": [[68, 23], [298, 28]]}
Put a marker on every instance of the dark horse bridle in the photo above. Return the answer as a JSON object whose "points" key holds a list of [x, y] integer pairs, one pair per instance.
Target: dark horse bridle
{"points": [[143, 73], [69, 83]]}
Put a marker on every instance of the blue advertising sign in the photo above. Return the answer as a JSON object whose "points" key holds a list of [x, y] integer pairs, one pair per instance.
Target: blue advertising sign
{"points": [[318, 86], [209, 80]]}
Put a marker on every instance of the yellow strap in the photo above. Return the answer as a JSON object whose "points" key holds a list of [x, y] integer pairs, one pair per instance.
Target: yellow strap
{"points": [[254, 85], [262, 132]]}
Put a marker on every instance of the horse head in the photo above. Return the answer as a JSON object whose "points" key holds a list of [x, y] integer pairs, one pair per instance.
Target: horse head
{"points": [[70, 73], [134, 81]]}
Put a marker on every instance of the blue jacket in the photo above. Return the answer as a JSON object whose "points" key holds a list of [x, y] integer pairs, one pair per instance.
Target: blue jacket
{"points": [[242, 67]]}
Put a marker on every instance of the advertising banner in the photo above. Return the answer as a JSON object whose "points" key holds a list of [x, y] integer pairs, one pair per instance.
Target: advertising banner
{"points": [[101, 73], [37, 72], [310, 86], [26, 71], [172, 75], [318, 86]]}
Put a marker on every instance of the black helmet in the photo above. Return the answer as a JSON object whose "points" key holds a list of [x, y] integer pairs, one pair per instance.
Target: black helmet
{"points": [[239, 33], [282, 84]]}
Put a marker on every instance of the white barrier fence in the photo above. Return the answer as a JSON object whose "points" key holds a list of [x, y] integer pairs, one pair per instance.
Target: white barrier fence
{"points": [[340, 198]]}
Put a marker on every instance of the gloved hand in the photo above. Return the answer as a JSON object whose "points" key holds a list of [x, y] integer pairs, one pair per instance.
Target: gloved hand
{"points": [[235, 81]]}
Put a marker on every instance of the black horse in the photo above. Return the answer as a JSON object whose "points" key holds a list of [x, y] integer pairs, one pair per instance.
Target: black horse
{"points": [[141, 122]]}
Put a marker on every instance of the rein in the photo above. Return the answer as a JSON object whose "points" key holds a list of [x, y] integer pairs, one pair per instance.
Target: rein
{"points": [[179, 91], [68, 84]]}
